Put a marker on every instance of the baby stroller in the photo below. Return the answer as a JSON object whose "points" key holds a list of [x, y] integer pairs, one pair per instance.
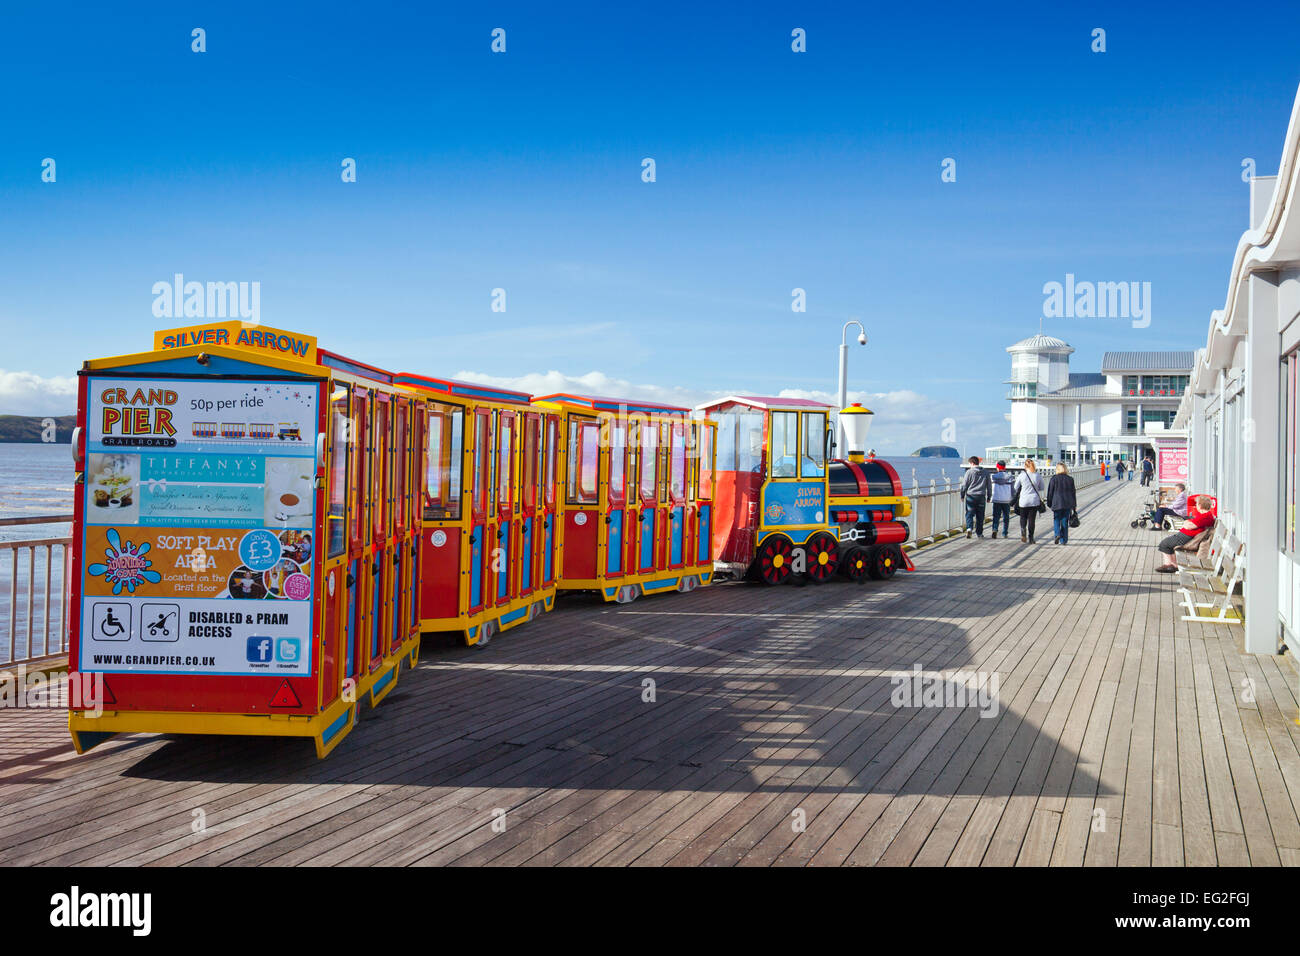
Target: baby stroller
{"points": [[1144, 519]]}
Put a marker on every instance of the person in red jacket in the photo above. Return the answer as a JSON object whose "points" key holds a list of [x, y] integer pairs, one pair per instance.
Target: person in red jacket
{"points": [[1199, 518]]}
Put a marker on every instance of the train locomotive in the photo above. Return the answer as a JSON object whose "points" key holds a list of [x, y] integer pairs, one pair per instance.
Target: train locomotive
{"points": [[239, 577], [787, 510]]}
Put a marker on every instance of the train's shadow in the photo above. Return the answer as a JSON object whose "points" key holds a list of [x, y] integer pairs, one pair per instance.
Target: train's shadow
{"points": [[731, 688]]}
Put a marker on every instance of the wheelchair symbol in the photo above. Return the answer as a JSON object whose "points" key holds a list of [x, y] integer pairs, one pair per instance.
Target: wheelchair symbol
{"points": [[110, 621]]}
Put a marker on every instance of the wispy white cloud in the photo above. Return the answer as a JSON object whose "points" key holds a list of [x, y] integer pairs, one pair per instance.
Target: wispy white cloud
{"points": [[592, 383], [26, 393], [904, 421]]}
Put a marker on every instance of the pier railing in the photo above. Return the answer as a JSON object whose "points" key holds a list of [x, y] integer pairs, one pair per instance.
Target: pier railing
{"points": [[35, 573], [939, 512]]}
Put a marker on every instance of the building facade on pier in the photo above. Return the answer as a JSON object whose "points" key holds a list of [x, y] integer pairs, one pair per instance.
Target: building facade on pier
{"points": [[1118, 413], [1241, 411]]}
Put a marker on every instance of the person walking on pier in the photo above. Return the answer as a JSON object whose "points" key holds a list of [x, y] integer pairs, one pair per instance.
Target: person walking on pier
{"points": [[1148, 470], [1061, 499], [1029, 498], [1119, 470], [1003, 492], [975, 491]]}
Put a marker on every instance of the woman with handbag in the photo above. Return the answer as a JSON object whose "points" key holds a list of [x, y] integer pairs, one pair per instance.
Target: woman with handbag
{"points": [[1029, 498], [1061, 499]]}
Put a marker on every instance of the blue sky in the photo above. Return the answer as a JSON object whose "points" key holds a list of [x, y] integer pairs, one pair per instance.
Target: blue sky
{"points": [[522, 171]]}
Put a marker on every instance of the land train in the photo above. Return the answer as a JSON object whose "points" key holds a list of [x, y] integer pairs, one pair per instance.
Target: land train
{"points": [[234, 577]]}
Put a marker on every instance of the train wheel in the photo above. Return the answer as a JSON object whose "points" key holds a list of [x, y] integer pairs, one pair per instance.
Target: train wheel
{"points": [[486, 632], [882, 562], [772, 566], [855, 565], [822, 558]]}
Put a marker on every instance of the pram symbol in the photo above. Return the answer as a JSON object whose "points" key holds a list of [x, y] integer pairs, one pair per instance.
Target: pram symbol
{"points": [[160, 622]]}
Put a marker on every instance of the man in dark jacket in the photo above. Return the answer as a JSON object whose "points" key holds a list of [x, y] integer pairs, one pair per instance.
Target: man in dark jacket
{"points": [[1060, 498], [1148, 470], [974, 491]]}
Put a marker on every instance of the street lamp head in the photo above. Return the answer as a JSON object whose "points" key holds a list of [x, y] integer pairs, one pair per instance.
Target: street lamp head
{"points": [[862, 338]]}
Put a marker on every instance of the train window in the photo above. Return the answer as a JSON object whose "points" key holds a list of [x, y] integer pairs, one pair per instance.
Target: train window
{"points": [[552, 441], [443, 462], [649, 459], [492, 467], [704, 449], [727, 441], [418, 462], [785, 444], [584, 462], [813, 462], [633, 463], [749, 441], [382, 467], [617, 442], [531, 461], [481, 433], [357, 479], [677, 470], [505, 449], [401, 440], [336, 529], [665, 442]]}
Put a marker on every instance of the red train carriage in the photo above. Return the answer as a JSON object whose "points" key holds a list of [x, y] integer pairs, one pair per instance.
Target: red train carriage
{"points": [[490, 540], [638, 496]]}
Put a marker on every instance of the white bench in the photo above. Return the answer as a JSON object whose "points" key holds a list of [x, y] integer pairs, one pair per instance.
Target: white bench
{"points": [[1228, 574]]}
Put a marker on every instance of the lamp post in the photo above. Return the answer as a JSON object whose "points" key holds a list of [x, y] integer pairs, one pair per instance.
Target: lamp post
{"points": [[844, 377]]}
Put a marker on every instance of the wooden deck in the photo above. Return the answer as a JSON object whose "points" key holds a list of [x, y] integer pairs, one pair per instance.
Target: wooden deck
{"points": [[1123, 736]]}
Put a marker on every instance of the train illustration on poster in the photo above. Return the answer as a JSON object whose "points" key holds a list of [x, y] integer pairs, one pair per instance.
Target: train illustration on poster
{"points": [[267, 528]]}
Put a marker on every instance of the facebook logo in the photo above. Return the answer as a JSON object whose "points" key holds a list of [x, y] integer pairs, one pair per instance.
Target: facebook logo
{"points": [[259, 650], [286, 650]]}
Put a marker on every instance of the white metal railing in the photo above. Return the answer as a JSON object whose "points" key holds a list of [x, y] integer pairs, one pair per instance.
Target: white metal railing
{"points": [[36, 572], [940, 511]]}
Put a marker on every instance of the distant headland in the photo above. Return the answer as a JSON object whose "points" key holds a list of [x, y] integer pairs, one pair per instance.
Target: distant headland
{"points": [[936, 451], [30, 428]]}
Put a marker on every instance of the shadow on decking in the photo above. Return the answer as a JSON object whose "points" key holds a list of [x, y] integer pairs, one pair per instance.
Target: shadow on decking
{"points": [[755, 690]]}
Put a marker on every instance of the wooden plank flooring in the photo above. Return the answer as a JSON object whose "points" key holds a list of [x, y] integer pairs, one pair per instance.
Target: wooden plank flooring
{"points": [[1121, 736]]}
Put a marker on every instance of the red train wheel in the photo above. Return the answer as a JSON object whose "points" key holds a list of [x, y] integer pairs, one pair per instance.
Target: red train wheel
{"points": [[883, 562], [772, 566], [855, 565], [821, 557]]}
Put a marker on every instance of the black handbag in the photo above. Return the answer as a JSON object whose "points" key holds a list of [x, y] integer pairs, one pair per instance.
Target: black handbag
{"points": [[1074, 519]]}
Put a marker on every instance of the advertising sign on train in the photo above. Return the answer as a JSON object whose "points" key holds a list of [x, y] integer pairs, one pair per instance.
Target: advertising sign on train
{"points": [[200, 511]]}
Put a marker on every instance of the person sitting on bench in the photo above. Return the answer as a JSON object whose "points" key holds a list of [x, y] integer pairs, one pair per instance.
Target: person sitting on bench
{"points": [[1199, 519], [1175, 509]]}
